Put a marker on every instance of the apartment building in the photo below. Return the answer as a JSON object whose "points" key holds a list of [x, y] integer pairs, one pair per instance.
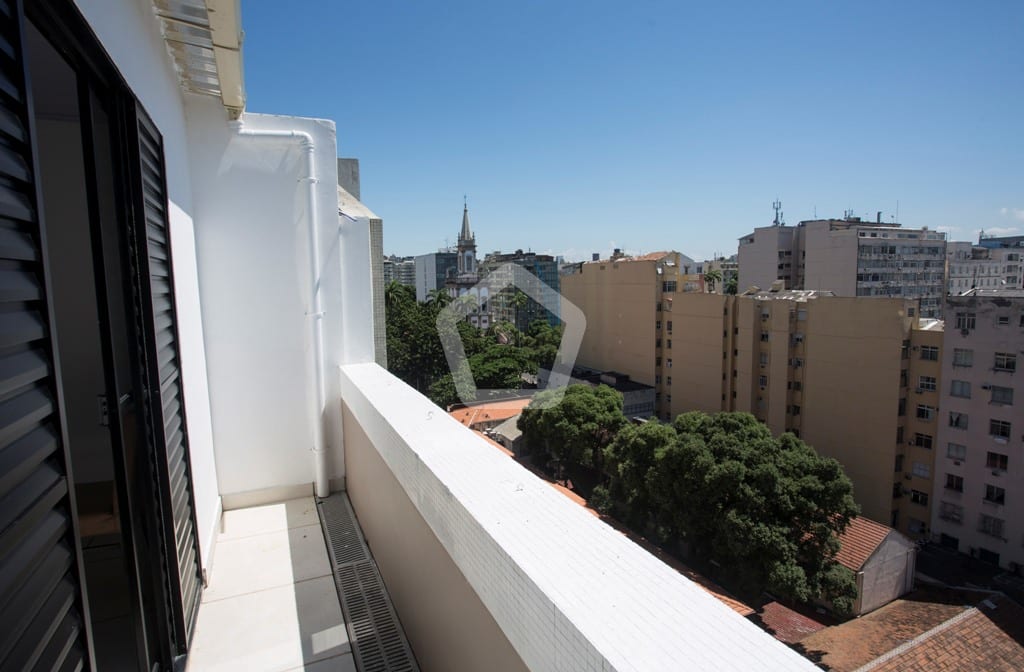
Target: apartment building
{"points": [[400, 269], [849, 257], [433, 270], [990, 266], [840, 372], [188, 387], [980, 449], [626, 301], [517, 308]]}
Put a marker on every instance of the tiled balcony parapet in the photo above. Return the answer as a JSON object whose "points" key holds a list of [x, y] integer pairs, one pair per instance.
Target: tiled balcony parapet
{"points": [[567, 591]]}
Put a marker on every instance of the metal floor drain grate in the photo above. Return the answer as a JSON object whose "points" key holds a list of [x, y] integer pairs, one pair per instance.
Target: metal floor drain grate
{"points": [[378, 641]]}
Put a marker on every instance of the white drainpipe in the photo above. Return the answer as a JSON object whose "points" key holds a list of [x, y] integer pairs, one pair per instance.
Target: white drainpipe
{"points": [[309, 149]]}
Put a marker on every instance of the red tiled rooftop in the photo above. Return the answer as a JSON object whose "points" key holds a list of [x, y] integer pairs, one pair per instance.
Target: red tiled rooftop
{"points": [[787, 625], [848, 646], [861, 538], [490, 412], [989, 637]]}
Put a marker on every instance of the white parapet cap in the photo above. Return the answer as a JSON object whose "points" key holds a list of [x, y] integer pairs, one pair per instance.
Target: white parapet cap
{"points": [[204, 39], [567, 590]]}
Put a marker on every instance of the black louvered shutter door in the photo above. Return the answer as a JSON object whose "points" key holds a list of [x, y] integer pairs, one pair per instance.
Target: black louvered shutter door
{"points": [[165, 403], [40, 619]]}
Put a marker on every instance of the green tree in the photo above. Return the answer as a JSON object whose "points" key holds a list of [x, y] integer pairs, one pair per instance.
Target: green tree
{"points": [[630, 460], [766, 510], [713, 277], [577, 429], [732, 285]]}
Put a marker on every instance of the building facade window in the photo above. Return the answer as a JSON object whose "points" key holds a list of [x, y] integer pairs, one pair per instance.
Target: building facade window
{"points": [[1003, 320], [965, 320], [899, 464], [762, 381], [918, 497], [954, 513], [1000, 429], [925, 412], [995, 494], [991, 526], [921, 469], [1005, 361], [922, 440], [926, 383], [963, 357], [764, 336], [670, 326], [668, 286], [954, 482], [960, 388], [957, 420], [997, 461], [930, 353], [956, 451], [670, 362], [897, 490], [1002, 395]]}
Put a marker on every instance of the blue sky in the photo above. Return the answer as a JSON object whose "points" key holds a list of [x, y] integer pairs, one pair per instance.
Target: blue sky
{"points": [[575, 127]]}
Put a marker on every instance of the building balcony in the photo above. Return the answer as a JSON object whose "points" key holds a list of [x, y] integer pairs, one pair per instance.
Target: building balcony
{"points": [[490, 568]]}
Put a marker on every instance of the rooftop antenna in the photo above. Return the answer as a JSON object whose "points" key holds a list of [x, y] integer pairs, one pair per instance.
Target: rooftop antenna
{"points": [[897, 210], [777, 206]]}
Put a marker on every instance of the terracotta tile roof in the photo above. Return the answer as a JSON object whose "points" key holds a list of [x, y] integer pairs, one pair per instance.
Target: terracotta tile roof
{"points": [[989, 637], [491, 412], [848, 646], [861, 538], [785, 624]]}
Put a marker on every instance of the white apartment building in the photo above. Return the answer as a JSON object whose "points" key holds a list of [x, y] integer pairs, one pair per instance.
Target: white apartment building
{"points": [[187, 381], [849, 257], [979, 463], [971, 265]]}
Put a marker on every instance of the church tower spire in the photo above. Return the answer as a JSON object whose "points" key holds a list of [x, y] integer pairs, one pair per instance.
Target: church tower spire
{"points": [[467, 244], [466, 235]]}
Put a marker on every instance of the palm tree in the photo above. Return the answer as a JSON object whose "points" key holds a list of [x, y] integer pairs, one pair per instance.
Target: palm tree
{"points": [[731, 285], [518, 301], [438, 298], [394, 294], [713, 277]]}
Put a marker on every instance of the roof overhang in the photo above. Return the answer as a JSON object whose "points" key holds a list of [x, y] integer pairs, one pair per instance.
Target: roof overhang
{"points": [[204, 39]]}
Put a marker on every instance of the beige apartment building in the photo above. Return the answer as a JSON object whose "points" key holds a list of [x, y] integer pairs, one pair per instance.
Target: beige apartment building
{"points": [[856, 378], [629, 330], [980, 450], [849, 257]]}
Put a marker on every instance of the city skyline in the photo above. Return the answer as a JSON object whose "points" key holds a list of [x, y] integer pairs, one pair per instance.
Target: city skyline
{"points": [[577, 129]]}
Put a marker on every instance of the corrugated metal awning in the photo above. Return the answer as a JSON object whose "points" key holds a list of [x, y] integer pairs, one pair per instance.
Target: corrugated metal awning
{"points": [[204, 39]]}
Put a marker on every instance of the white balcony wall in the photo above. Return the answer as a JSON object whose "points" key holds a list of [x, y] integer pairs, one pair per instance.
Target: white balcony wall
{"points": [[566, 591], [129, 33], [254, 267]]}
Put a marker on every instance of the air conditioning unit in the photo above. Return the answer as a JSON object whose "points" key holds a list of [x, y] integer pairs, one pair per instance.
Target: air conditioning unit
{"points": [[964, 332], [996, 472], [956, 462], [907, 477], [986, 386]]}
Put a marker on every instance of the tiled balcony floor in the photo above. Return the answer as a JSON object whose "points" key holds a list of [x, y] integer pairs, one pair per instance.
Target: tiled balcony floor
{"points": [[271, 603]]}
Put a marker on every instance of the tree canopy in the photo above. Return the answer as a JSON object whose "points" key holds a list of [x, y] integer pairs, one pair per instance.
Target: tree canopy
{"points": [[497, 359], [766, 510], [577, 429]]}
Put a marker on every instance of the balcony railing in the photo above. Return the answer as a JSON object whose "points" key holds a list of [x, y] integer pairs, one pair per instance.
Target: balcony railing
{"points": [[491, 568]]}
